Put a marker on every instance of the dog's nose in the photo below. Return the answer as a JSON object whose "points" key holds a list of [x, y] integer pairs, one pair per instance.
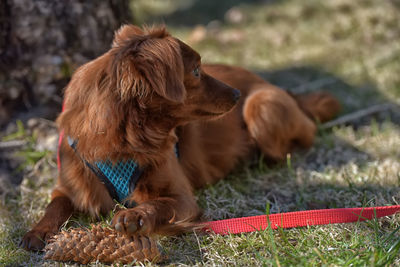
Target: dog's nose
{"points": [[236, 95]]}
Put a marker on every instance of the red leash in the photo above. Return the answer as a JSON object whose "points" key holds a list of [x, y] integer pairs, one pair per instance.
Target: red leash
{"points": [[299, 219]]}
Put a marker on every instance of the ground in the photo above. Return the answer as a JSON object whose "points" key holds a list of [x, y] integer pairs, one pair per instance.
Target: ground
{"points": [[349, 48]]}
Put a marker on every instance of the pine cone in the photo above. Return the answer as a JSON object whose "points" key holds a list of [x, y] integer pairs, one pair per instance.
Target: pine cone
{"points": [[101, 244]]}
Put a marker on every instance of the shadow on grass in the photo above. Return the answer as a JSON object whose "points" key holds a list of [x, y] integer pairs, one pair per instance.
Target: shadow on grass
{"points": [[204, 11]]}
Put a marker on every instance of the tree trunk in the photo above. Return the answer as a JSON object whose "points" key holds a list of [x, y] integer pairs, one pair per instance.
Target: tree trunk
{"points": [[43, 41]]}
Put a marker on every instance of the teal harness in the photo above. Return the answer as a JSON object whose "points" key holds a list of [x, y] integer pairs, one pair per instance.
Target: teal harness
{"points": [[120, 179], [123, 176]]}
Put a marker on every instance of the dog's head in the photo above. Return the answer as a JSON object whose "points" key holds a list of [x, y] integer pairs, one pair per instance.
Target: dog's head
{"points": [[142, 88], [164, 73]]}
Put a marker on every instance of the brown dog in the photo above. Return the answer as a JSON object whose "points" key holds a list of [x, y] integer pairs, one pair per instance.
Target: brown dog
{"points": [[139, 99]]}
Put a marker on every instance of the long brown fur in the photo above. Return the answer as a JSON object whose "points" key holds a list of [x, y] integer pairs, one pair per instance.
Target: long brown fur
{"points": [[140, 98]]}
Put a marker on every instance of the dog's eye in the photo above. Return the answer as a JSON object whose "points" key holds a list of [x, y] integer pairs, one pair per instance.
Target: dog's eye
{"points": [[196, 72]]}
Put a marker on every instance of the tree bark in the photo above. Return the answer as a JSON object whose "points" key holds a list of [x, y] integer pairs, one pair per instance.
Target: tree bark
{"points": [[43, 41]]}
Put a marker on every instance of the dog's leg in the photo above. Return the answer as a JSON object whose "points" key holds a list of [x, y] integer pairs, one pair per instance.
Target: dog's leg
{"points": [[321, 106], [166, 204], [276, 123], [57, 212], [169, 215]]}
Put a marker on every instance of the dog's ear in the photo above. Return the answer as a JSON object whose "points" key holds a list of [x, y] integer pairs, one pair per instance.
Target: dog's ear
{"points": [[146, 62], [166, 79], [92, 111]]}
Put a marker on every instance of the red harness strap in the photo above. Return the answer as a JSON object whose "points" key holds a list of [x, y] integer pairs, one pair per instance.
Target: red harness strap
{"points": [[60, 138], [299, 219]]}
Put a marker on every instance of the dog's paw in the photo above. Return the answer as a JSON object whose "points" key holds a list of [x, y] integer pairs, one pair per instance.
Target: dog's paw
{"points": [[35, 240], [132, 221]]}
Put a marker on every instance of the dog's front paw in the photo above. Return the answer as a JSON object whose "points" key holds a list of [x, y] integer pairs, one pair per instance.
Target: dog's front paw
{"points": [[136, 220], [35, 239]]}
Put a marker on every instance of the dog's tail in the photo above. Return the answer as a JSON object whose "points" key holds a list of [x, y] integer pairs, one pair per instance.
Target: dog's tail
{"points": [[320, 106]]}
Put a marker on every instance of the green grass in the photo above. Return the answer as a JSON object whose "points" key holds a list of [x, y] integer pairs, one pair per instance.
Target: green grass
{"points": [[350, 48]]}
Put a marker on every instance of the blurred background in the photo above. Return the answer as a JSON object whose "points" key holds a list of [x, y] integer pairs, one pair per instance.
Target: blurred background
{"points": [[349, 48]]}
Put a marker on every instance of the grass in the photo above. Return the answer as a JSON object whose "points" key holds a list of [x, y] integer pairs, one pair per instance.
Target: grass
{"points": [[350, 48]]}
